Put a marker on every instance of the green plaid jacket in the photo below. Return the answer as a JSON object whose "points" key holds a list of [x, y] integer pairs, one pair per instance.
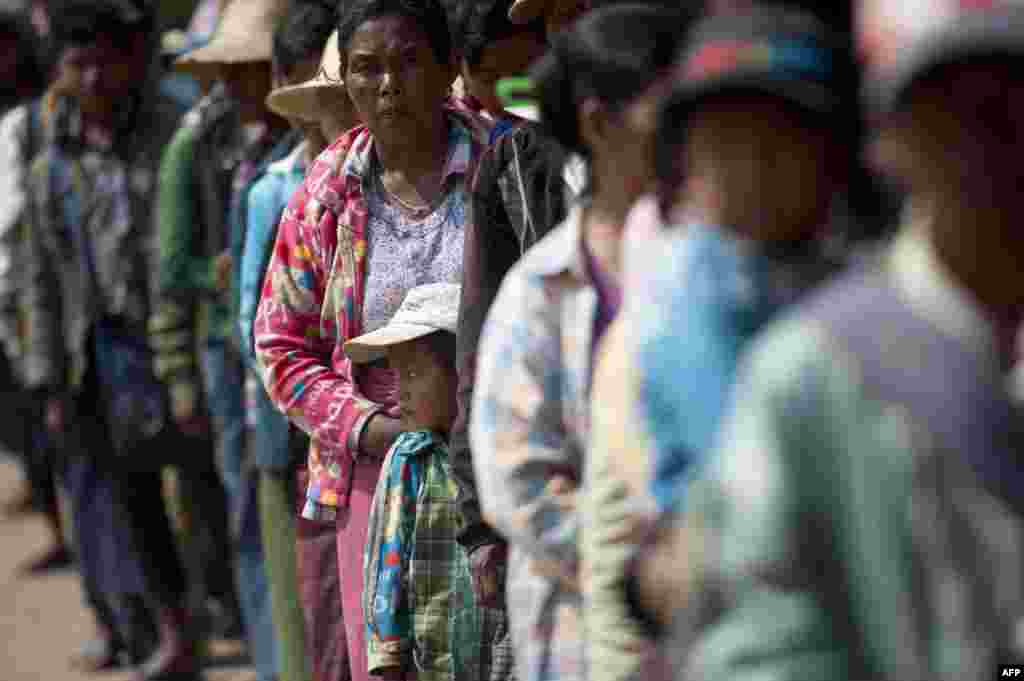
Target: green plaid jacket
{"points": [[417, 593]]}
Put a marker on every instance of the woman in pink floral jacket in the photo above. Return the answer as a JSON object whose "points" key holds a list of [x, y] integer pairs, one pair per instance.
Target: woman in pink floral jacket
{"points": [[381, 210]]}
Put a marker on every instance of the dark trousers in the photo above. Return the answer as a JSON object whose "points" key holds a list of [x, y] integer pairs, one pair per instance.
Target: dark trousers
{"points": [[206, 540], [41, 465], [136, 498]]}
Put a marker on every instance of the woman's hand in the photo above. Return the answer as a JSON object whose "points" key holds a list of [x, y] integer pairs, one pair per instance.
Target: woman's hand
{"points": [[487, 564], [380, 433]]}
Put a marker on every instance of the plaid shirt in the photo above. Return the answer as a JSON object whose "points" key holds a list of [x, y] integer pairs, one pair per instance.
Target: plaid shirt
{"points": [[417, 592], [862, 517], [529, 431], [313, 298]]}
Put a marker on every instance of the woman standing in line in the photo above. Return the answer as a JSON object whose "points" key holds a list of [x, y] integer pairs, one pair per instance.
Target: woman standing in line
{"points": [[381, 210]]}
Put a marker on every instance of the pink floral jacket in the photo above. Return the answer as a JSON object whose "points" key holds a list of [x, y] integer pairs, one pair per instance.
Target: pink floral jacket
{"points": [[312, 302]]}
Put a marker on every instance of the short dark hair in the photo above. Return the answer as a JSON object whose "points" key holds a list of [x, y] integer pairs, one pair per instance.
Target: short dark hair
{"points": [[441, 344], [302, 33], [32, 69], [80, 22], [613, 54], [476, 24], [427, 14]]}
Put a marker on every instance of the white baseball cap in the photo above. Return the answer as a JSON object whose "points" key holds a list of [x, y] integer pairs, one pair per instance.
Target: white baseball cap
{"points": [[425, 310]]}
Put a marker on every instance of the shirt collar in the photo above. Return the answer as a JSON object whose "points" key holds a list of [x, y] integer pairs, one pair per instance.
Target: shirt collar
{"points": [[293, 162], [563, 252], [460, 152], [928, 287]]}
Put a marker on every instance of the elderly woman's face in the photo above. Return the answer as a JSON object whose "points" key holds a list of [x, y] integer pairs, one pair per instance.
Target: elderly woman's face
{"points": [[394, 78]]}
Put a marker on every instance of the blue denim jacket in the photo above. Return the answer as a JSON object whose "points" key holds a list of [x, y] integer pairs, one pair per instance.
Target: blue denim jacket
{"points": [[266, 201]]}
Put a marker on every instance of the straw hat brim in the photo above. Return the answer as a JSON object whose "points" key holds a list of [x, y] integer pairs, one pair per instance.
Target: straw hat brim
{"points": [[228, 50], [244, 35], [302, 101]]}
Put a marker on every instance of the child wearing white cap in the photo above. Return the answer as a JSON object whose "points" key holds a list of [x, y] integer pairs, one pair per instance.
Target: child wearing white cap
{"points": [[420, 617]]}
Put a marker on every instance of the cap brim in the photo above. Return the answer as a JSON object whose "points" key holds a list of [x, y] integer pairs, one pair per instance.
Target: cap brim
{"points": [[373, 346], [969, 38], [301, 101], [525, 11], [806, 95]]}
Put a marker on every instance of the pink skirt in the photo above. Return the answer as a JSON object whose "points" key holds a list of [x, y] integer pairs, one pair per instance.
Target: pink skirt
{"points": [[351, 538], [320, 592]]}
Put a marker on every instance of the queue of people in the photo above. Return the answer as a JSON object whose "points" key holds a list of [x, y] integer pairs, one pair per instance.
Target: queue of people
{"points": [[482, 340]]}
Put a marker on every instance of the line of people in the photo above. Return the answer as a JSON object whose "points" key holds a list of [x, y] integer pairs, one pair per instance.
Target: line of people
{"points": [[527, 339]]}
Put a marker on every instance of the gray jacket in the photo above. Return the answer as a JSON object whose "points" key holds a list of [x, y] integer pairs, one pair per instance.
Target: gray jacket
{"points": [[114, 191]]}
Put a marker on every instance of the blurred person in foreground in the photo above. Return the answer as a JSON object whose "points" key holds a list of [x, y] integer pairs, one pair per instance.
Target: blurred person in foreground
{"points": [[204, 178], [322, 108], [747, 247], [861, 517], [529, 428], [521, 191], [298, 48], [88, 268]]}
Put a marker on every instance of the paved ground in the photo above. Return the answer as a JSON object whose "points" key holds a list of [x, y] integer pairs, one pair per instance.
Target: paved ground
{"points": [[42, 621]]}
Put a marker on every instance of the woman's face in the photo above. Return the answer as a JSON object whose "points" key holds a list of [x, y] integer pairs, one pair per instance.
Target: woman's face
{"points": [[248, 83], [626, 145], [395, 81]]}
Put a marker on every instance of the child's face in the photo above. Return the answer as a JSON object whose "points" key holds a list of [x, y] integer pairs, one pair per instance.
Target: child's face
{"points": [[426, 388]]}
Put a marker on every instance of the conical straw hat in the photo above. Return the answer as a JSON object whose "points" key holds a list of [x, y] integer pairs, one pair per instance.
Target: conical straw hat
{"points": [[303, 101], [245, 34]]}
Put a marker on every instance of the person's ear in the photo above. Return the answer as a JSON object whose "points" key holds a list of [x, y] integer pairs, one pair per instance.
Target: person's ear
{"points": [[593, 123]]}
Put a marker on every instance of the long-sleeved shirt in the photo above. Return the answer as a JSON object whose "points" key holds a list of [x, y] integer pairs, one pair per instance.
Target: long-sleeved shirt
{"points": [[616, 507], [267, 199], [861, 516], [313, 298], [194, 207], [115, 193], [529, 432], [518, 197], [417, 592]]}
